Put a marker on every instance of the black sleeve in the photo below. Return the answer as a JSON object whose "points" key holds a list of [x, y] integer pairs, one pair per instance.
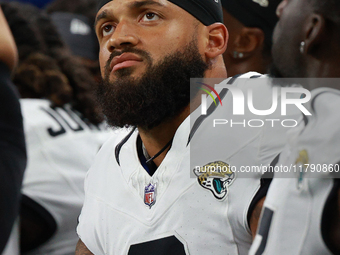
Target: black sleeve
{"points": [[12, 154], [37, 225], [330, 221], [262, 192]]}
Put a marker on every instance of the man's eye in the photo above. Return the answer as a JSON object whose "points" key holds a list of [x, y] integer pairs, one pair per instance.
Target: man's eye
{"points": [[150, 16], [107, 29]]}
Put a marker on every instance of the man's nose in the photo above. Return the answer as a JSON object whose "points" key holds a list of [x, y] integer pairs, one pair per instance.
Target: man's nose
{"points": [[123, 36]]}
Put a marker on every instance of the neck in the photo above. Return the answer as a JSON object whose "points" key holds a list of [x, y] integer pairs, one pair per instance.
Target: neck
{"points": [[156, 138], [318, 69], [217, 70]]}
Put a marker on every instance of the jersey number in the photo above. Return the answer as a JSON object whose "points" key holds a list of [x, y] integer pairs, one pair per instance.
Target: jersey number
{"points": [[165, 246], [55, 114]]}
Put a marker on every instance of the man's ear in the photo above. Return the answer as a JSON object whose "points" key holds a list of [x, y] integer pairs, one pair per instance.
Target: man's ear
{"points": [[248, 41], [314, 31], [217, 41]]}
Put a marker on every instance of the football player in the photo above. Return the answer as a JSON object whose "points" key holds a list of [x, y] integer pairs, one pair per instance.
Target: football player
{"points": [[301, 213], [154, 190]]}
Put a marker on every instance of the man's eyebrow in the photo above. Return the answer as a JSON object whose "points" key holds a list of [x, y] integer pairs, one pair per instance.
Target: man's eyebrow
{"points": [[102, 15], [133, 5], [140, 4]]}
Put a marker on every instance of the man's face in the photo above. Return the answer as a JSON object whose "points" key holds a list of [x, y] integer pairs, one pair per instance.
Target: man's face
{"points": [[149, 49], [153, 28], [288, 34]]}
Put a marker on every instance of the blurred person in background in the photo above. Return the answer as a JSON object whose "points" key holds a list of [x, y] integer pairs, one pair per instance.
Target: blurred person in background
{"points": [[301, 213], [74, 21], [250, 24], [64, 130], [12, 141]]}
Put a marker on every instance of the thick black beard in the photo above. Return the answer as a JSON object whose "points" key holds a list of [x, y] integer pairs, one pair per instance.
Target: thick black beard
{"points": [[159, 95]]}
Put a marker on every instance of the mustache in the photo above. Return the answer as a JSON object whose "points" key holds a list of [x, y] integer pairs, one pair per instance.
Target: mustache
{"points": [[143, 54]]}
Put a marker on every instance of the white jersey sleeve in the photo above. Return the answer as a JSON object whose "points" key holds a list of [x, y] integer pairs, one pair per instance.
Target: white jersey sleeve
{"points": [[12, 246]]}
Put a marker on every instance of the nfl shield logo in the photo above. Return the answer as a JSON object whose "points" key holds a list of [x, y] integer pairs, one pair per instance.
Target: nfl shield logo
{"points": [[150, 195]]}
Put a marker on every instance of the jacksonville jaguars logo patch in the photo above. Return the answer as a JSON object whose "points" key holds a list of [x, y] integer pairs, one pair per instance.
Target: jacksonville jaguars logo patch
{"points": [[216, 177]]}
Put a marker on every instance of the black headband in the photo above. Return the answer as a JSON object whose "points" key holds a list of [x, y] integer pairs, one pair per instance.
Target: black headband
{"points": [[206, 11]]}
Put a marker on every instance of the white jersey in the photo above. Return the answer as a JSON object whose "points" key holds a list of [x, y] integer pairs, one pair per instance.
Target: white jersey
{"points": [[12, 246], [61, 148], [180, 209], [294, 208]]}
